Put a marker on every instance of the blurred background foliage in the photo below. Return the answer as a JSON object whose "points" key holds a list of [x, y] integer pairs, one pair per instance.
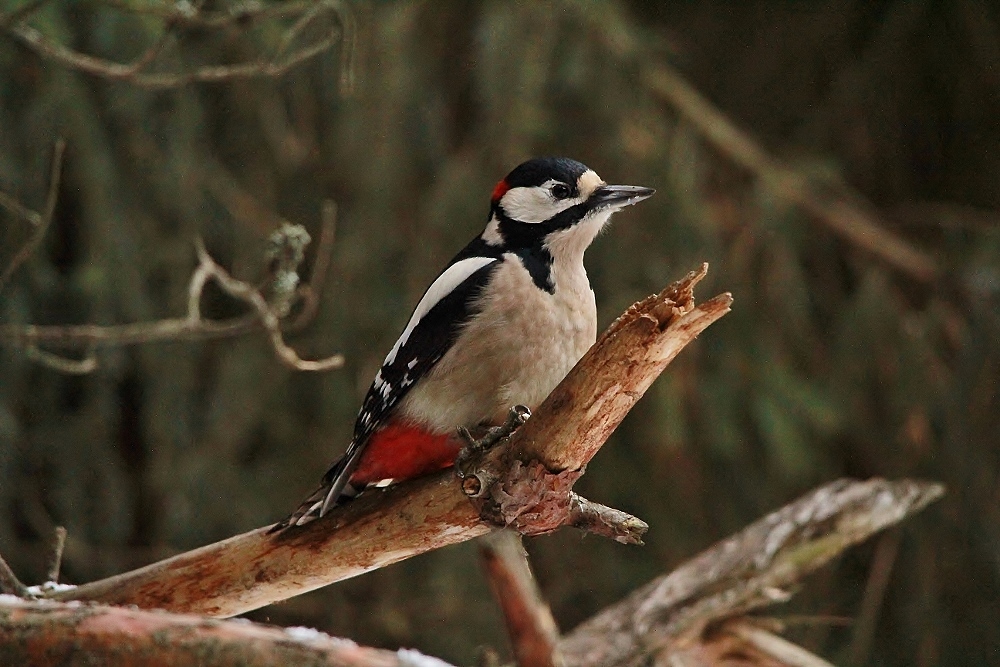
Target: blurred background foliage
{"points": [[832, 362]]}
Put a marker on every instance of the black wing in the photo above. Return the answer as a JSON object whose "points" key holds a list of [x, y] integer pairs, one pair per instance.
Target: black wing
{"points": [[433, 328]]}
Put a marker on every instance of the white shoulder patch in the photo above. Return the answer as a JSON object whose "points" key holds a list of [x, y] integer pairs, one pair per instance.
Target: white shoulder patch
{"points": [[445, 284]]}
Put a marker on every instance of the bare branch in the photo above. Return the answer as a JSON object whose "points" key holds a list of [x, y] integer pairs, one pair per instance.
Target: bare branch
{"points": [[208, 269], [385, 526], [40, 221], [879, 573], [844, 212], [530, 625], [288, 246], [9, 583], [254, 569], [21, 12], [34, 633], [58, 544], [751, 569], [62, 364], [96, 336], [837, 206], [278, 64], [774, 646], [311, 292], [600, 519]]}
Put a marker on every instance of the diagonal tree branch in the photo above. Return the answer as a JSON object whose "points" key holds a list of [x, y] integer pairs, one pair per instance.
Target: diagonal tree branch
{"points": [[844, 212], [751, 569], [382, 527], [835, 205], [9, 583]]}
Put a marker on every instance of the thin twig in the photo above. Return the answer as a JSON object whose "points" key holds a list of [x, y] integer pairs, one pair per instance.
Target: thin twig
{"points": [[277, 65], [311, 292], [191, 327], [58, 544], [136, 333], [208, 269], [21, 12], [844, 212], [41, 221], [188, 16], [60, 363], [779, 648], [9, 583], [866, 624]]}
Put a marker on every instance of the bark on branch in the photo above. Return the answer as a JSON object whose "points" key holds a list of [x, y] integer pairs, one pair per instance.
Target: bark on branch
{"points": [[751, 569], [382, 527], [45, 633], [532, 629]]}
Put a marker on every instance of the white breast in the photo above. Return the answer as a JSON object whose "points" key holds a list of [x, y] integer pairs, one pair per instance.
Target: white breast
{"points": [[516, 351]]}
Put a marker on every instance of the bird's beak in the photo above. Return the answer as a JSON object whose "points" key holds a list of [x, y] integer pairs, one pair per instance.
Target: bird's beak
{"points": [[619, 196]]}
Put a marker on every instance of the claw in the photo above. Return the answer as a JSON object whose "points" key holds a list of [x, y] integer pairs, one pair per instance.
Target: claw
{"points": [[517, 416]]}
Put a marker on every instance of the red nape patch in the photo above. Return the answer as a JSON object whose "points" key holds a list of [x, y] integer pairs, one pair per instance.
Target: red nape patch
{"points": [[499, 191], [401, 451]]}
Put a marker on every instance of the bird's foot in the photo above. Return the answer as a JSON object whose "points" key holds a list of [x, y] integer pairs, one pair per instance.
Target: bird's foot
{"points": [[517, 416]]}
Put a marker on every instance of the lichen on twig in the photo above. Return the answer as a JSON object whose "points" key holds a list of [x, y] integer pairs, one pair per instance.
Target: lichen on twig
{"points": [[286, 251]]}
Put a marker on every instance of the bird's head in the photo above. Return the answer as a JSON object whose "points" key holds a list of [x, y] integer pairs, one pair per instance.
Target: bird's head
{"points": [[554, 200]]}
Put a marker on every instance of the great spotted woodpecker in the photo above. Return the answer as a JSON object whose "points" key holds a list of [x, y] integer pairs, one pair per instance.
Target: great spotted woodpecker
{"points": [[505, 321]]}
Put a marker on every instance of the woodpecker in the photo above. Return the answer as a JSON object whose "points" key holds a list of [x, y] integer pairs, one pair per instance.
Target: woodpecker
{"points": [[505, 321]]}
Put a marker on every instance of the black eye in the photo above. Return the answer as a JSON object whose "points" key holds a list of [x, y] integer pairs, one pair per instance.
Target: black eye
{"points": [[560, 191]]}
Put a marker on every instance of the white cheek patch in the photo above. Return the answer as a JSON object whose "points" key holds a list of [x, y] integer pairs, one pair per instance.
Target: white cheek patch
{"points": [[534, 204], [445, 284]]}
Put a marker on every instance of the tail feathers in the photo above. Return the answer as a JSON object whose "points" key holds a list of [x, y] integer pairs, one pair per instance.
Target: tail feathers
{"points": [[334, 490], [318, 503]]}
